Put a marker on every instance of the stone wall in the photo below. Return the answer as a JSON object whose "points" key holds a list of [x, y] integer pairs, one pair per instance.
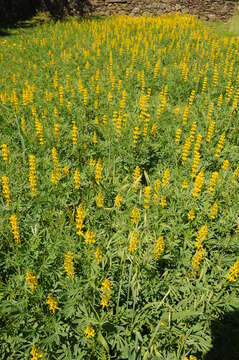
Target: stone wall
{"points": [[207, 9]]}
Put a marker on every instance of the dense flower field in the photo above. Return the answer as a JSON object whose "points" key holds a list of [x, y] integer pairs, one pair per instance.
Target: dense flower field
{"points": [[119, 200]]}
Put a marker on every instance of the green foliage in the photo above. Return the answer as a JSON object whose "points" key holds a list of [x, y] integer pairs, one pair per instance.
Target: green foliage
{"points": [[64, 74]]}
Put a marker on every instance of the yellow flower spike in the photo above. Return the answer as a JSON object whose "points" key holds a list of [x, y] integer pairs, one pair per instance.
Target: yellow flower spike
{"points": [[159, 247], [100, 200], [31, 281], [163, 201], [56, 131], [23, 125], [98, 255], [5, 152], [89, 237], [198, 184], [136, 178], [156, 191], [178, 135], [69, 264], [74, 133], [213, 211], [233, 272], [95, 140], [186, 148], [80, 217], [191, 98], [213, 181], [92, 162], [53, 303], [6, 189], [210, 131], [225, 165], [219, 102], [134, 240], [184, 184], [66, 170], [135, 136], [106, 285], [195, 165], [90, 331], [201, 235], [77, 179], [147, 196], [39, 131], [220, 144], [61, 96], [118, 201], [197, 258], [204, 85], [135, 216], [98, 171], [54, 156], [197, 143], [35, 353], [185, 115], [165, 178], [32, 175], [106, 288], [191, 215], [15, 229], [209, 117]]}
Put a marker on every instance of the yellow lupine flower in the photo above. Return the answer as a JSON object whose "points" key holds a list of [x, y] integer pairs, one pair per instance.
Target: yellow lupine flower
{"points": [[106, 288], [135, 216], [80, 217], [35, 353], [98, 255], [147, 196], [31, 281], [89, 237], [213, 211], [32, 174], [52, 302], [213, 181], [54, 156], [178, 135], [201, 236], [233, 272], [163, 201], [198, 184], [220, 144], [197, 258], [5, 152], [77, 179], [191, 215], [184, 184], [165, 178], [69, 264], [136, 177], [159, 247], [186, 148], [134, 240], [90, 331], [225, 165], [74, 133], [98, 171], [15, 229], [118, 201], [6, 189], [100, 200]]}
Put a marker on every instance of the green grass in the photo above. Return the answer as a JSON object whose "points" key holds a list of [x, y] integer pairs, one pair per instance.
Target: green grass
{"points": [[115, 75]]}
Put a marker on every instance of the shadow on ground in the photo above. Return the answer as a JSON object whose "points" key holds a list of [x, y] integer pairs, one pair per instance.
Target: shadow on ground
{"points": [[14, 13], [225, 338]]}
